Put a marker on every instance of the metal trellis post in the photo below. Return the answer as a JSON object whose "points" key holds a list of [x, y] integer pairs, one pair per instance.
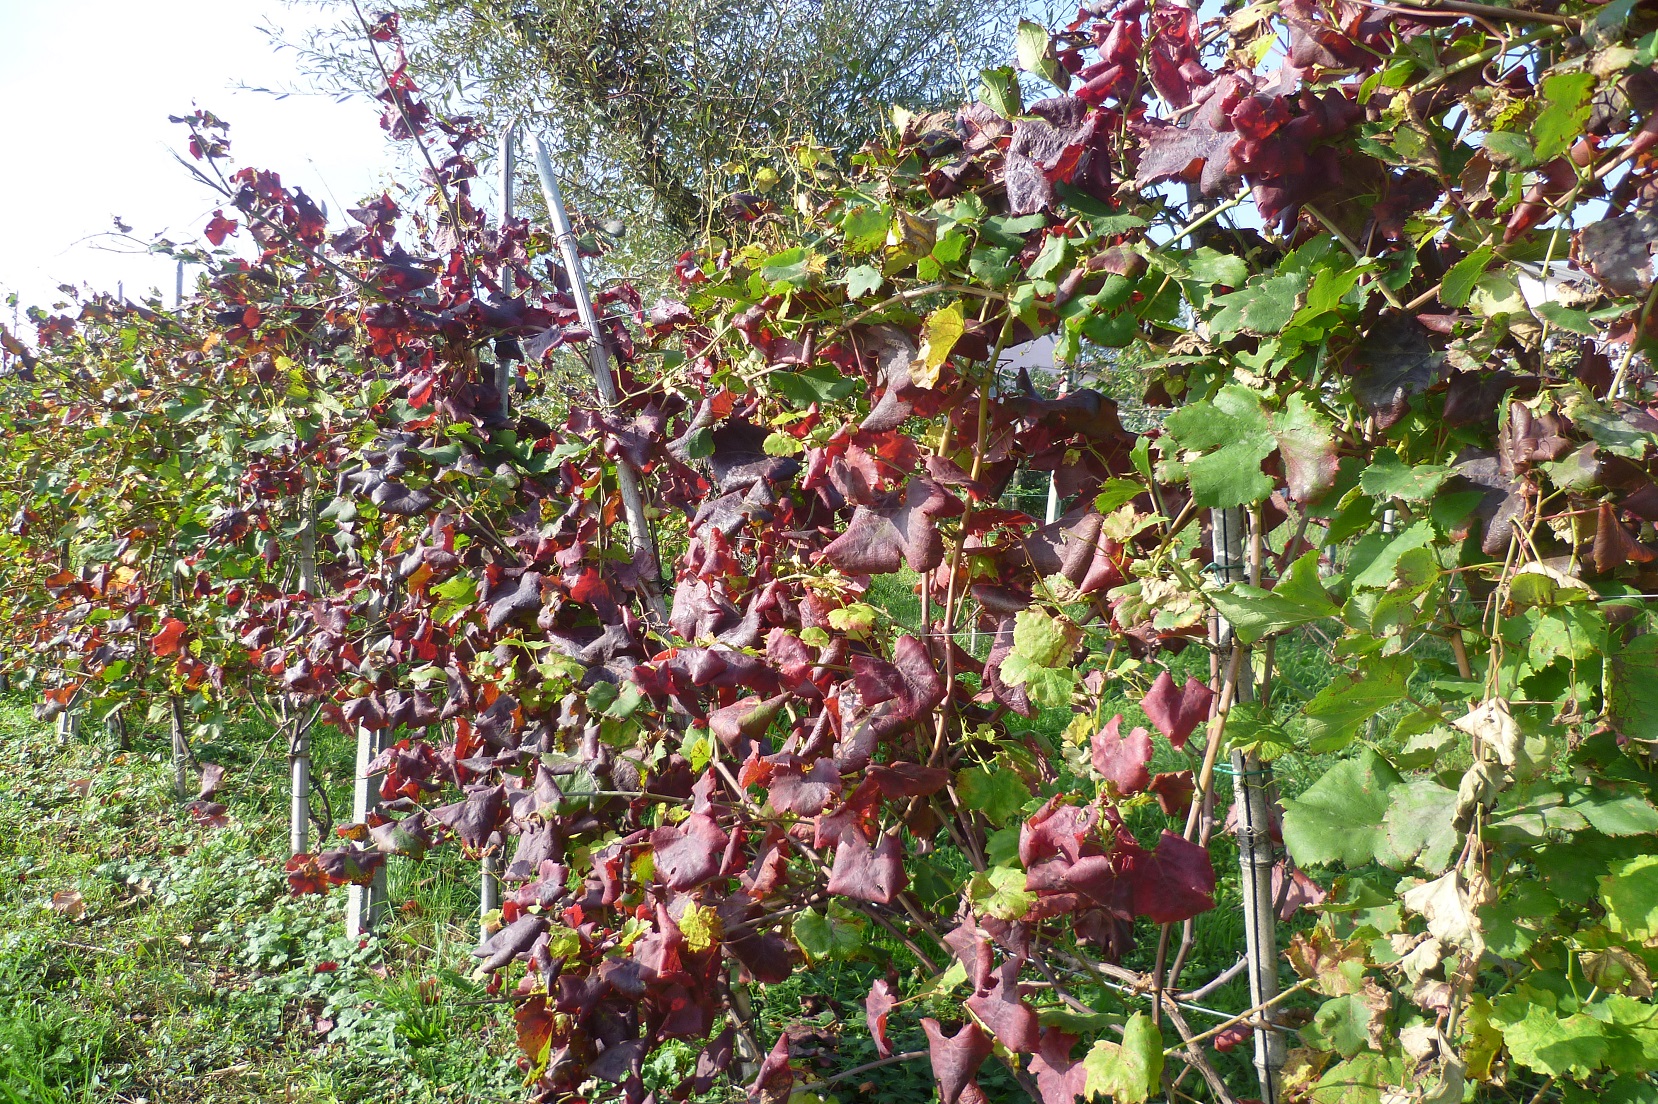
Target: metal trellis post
{"points": [[489, 886], [366, 904], [627, 479]]}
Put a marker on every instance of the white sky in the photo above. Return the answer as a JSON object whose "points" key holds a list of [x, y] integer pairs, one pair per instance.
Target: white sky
{"points": [[87, 86]]}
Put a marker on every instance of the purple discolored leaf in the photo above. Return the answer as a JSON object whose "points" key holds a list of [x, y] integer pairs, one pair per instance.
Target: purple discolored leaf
{"points": [[801, 789], [881, 539], [394, 498], [908, 779], [1174, 152], [475, 818]]}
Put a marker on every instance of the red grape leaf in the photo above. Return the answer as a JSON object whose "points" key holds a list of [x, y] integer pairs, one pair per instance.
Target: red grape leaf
{"points": [[219, 228], [1173, 790], [1302, 891], [689, 854], [1173, 883], [775, 1079], [166, 641], [1122, 761], [535, 1027], [1000, 1009], [868, 873], [857, 812], [876, 1006], [1058, 1078], [1055, 829], [1176, 712], [956, 1058]]}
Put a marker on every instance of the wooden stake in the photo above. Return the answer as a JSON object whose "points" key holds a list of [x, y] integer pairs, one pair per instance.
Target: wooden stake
{"points": [[1253, 798]]}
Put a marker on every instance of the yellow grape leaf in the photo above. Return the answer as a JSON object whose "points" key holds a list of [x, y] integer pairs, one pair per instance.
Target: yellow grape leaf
{"points": [[944, 328]]}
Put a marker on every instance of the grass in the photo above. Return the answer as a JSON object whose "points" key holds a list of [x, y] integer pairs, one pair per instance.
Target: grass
{"points": [[184, 972]]}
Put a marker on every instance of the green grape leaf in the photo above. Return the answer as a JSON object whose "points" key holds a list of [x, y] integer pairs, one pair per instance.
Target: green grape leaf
{"points": [[1298, 599], [1036, 54], [1306, 442], [1332, 718], [1630, 893], [863, 280], [1575, 632], [1631, 1033], [1127, 1072], [865, 229], [792, 268], [1117, 493], [1000, 891], [1349, 1024], [699, 924], [1342, 817], [1236, 433], [1573, 321], [1420, 827], [1233, 432], [1560, 123], [1459, 282], [1515, 920], [999, 87], [1377, 555], [1609, 429], [838, 933], [1632, 688], [1389, 477], [1042, 638], [1264, 306], [1360, 1079], [812, 385], [1612, 812], [1211, 267], [1055, 253], [1540, 1038], [1000, 794]]}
